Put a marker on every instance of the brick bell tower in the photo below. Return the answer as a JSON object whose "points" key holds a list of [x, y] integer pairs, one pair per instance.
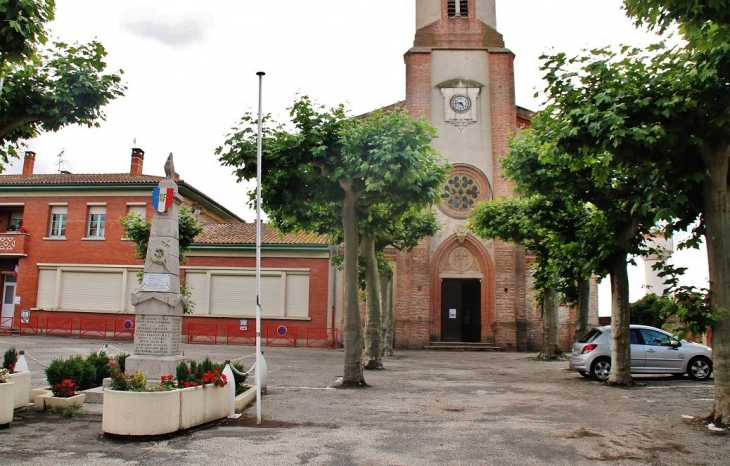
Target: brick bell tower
{"points": [[454, 286]]}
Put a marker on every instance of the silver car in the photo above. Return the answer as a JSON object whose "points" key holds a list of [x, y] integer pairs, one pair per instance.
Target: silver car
{"points": [[653, 351]]}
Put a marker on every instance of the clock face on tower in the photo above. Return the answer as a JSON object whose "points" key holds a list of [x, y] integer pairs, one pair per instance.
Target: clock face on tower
{"points": [[460, 103]]}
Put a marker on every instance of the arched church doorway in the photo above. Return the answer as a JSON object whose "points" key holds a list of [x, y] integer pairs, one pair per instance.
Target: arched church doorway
{"points": [[461, 310]]}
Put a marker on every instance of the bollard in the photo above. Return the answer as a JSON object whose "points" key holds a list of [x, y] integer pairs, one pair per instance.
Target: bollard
{"points": [[21, 365], [231, 385]]}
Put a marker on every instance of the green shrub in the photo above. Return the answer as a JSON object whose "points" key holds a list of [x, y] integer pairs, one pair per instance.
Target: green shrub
{"points": [[10, 359], [121, 359], [100, 361], [240, 380], [76, 368]]}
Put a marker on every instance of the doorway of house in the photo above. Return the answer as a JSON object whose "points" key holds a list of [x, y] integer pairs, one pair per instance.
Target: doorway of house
{"points": [[8, 308], [461, 314]]}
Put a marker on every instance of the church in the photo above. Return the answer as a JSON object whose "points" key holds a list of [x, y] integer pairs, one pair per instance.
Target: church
{"points": [[456, 287]]}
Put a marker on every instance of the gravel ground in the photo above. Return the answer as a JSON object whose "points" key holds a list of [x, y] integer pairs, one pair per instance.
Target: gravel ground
{"points": [[425, 408]]}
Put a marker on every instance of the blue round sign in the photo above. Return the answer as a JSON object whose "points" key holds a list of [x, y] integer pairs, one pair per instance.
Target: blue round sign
{"points": [[128, 324], [281, 330]]}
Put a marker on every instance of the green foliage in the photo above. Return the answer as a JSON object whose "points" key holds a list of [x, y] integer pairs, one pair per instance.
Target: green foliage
{"points": [[23, 27], [137, 382], [138, 230], [76, 368], [326, 171], [704, 22], [100, 361], [66, 86], [649, 310], [70, 412], [10, 359], [121, 359], [239, 379]]}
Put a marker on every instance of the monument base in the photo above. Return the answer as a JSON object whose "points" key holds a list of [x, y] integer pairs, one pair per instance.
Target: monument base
{"points": [[152, 366]]}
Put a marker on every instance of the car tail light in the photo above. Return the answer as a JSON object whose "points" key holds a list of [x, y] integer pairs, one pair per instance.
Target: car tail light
{"points": [[588, 348]]}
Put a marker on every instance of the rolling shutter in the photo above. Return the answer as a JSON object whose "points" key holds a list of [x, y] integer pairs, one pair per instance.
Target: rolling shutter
{"points": [[92, 291], [198, 282], [46, 289], [297, 295]]}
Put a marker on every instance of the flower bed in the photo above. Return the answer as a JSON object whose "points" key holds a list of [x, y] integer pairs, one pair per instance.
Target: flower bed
{"points": [[131, 408]]}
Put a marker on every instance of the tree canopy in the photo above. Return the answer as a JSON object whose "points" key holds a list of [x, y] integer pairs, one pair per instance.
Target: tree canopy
{"points": [[46, 88], [330, 159]]}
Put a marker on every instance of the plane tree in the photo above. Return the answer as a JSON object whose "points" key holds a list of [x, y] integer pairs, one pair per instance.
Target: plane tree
{"points": [[591, 144], [701, 114], [559, 234], [45, 88], [326, 157]]}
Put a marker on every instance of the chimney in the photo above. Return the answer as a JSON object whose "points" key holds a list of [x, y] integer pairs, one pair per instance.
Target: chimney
{"points": [[137, 162], [28, 163]]}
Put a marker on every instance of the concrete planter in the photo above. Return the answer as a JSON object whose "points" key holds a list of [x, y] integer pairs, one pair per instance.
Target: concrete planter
{"points": [[22, 388], [157, 413], [57, 402], [140, 413], [245, 399], [199, 405], [7, 399]]}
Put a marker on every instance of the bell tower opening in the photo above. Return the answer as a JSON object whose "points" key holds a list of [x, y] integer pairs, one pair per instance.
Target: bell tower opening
{"points": [[457, 8]]}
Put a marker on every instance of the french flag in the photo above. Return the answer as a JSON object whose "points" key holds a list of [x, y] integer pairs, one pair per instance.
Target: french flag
{"points": [[16, 269], [162, 199]]}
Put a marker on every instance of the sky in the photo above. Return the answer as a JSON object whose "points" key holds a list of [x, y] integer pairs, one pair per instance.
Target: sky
{"points": [[190, 70]]}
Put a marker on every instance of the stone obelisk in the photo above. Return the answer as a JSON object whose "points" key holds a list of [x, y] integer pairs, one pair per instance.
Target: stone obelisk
{"points": [[158, 306]]}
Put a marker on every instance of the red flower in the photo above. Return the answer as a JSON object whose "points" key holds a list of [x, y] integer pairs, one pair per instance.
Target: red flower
{"points": [[186, 384], [195, 384]]}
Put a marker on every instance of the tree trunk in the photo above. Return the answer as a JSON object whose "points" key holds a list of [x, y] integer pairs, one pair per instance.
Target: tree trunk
{"points": [[620, 330], [373, 323], [584, 305], [716, 214], [386, 292], [550, 335], [352, 339]]}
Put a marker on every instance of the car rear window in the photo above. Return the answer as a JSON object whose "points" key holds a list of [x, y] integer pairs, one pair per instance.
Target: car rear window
{"points": [[590, 336]]}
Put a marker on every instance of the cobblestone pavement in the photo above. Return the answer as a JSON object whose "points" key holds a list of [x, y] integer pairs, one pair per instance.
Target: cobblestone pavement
{"points": [[425, 408]]}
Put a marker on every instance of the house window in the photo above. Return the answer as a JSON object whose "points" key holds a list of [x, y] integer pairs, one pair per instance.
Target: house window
{"points": [[58, 221], [458, 8], [139, 209], [97, 221]]}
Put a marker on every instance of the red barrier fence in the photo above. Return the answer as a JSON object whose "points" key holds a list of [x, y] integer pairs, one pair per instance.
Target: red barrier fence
{"points": [[203, 333], [30, 327], [123, 329], [92, 328], [62, 326], [281, 335], [6, 326], [236, 336], [321, 338]]}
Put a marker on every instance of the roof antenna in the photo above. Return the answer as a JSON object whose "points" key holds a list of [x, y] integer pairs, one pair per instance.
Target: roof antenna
{"points": [[60, 160]]}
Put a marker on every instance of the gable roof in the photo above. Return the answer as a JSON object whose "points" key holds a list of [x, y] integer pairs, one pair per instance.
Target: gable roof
{"points": [[231, 234], [108, 181]]}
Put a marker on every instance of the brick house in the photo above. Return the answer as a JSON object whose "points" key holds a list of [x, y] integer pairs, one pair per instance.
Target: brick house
{"points": [[63, 257]]}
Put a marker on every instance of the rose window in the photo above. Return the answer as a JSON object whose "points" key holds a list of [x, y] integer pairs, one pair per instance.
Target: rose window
{"points": [[462, 192]]}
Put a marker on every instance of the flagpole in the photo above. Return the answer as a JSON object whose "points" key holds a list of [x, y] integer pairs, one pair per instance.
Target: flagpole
{"points": [[259, 376]]}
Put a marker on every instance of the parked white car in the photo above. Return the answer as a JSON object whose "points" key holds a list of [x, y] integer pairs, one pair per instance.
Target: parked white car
{"points": [[653, 351]]}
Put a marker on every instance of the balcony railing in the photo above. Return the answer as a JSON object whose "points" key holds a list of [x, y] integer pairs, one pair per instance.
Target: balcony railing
{"points": [[12, 243]]}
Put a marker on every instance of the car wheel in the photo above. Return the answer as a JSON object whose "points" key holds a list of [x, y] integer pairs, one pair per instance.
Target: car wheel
{"points": [[601, 368], [699, 368], [584, 374]]}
